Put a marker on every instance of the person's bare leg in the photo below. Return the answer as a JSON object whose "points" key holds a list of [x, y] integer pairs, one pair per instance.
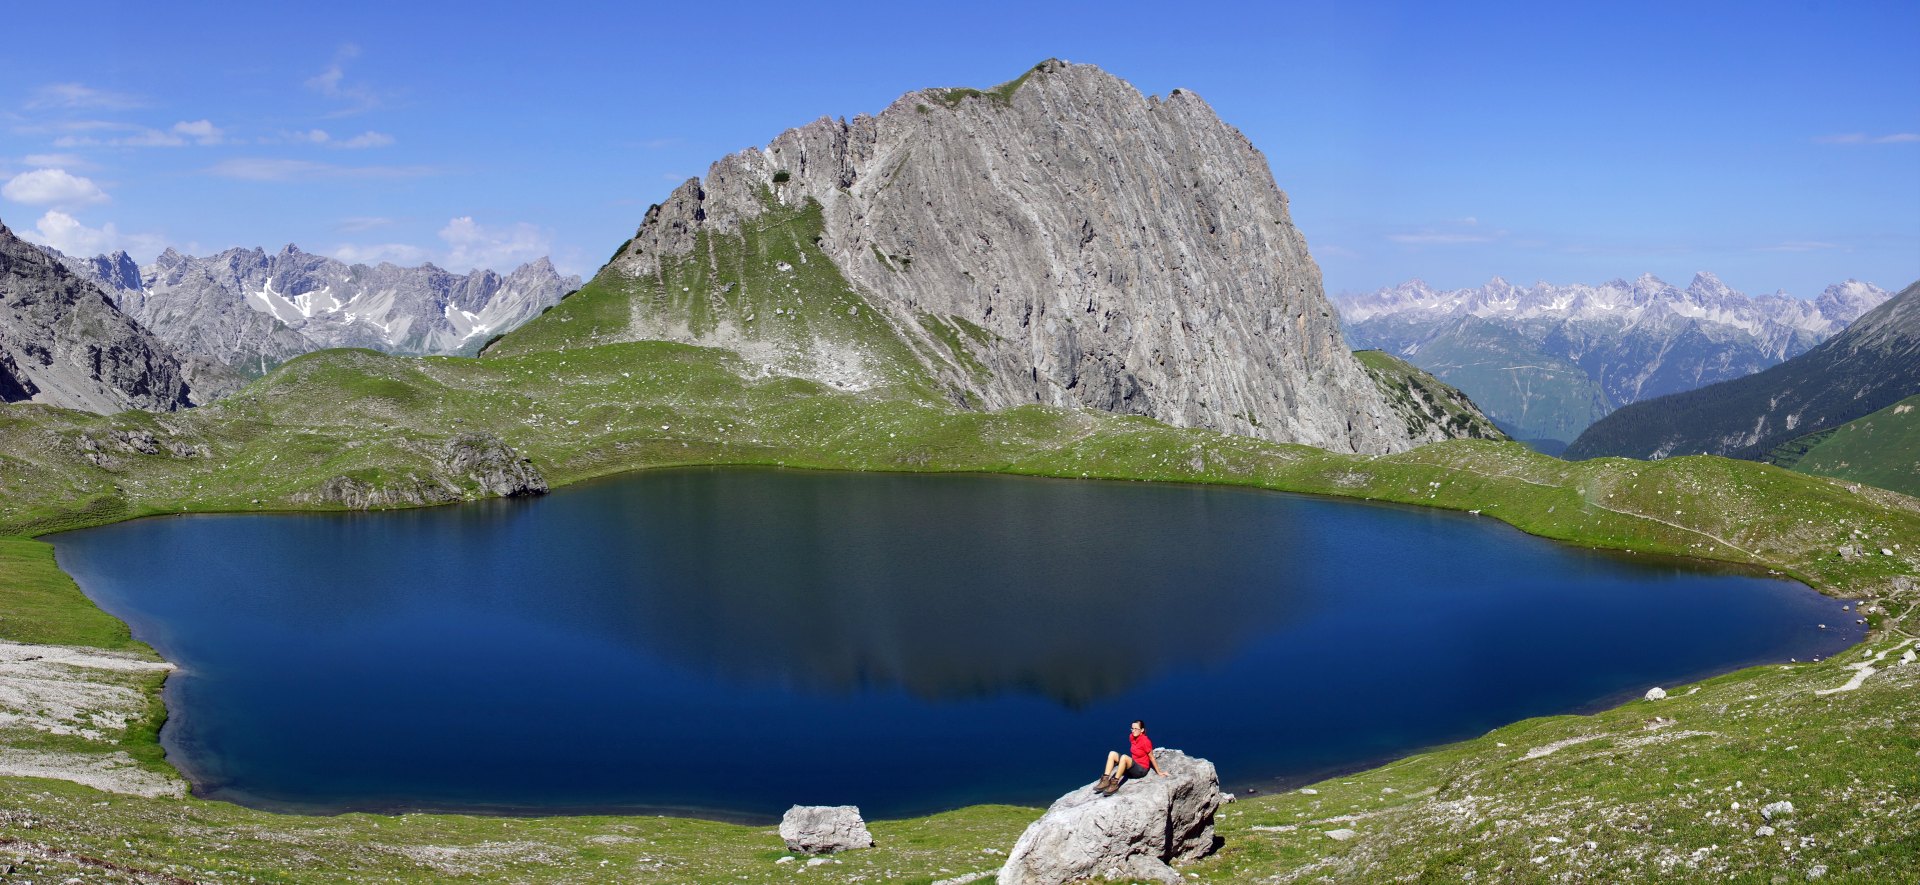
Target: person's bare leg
{"points": [[1113, 761]]}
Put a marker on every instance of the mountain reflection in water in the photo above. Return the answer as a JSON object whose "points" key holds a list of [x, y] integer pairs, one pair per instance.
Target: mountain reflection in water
{"points": [[738, 640]]}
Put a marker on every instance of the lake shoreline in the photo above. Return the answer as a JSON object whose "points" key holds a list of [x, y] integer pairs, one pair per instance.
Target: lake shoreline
{"points": [[239, 795]]}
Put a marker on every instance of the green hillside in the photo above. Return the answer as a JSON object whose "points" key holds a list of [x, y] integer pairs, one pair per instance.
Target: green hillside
{"points": [[1630, 784], [1881, 449], [1425, 402], [1631, 794]]}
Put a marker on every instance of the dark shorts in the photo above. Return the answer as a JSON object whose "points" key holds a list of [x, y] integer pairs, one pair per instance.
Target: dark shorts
{"points": [[1134, 770]]}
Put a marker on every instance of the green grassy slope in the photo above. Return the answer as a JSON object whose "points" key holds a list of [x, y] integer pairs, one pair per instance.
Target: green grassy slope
{"points": [[595, 410], [1881, 449], [1427, 403]]}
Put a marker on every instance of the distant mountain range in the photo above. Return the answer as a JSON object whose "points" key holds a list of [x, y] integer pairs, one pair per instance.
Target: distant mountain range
{"points": [[252, 310], [63, 343], [1546, 361], [1874, 364]]}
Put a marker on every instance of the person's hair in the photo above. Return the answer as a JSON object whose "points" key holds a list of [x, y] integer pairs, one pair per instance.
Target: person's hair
{"points": [[1142, 723]]}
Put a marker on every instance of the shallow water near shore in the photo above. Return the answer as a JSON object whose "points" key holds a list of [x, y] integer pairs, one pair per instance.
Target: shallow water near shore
{"points": [[728, 642]]}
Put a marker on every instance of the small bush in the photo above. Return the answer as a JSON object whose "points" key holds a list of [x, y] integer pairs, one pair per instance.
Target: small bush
{"points": [[782, 176]]}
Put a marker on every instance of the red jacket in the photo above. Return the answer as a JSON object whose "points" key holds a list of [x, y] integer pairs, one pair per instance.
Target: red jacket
{"points": [[1142, 750]]}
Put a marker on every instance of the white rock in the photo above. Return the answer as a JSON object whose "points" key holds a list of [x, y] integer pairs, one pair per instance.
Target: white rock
{"points": [[819, 829], [1341, 835], [1772, 810], [1656, 693], [1763, 832], [1134, 833], [1309, 791], [1816, 872]]}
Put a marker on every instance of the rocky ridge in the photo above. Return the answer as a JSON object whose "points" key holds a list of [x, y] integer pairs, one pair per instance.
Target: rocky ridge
{"points": [[1061, 239], [252, 310], [1548, 360], [64, 343]]}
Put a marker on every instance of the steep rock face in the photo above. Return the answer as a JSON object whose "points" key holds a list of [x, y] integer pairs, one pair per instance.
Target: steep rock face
{"points": [[1547, 361], [253, 310], [1873, 364], [63, 342], [1062, 239]]}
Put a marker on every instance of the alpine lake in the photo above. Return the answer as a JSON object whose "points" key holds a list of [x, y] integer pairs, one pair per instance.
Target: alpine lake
{"points": [[726, 642]]}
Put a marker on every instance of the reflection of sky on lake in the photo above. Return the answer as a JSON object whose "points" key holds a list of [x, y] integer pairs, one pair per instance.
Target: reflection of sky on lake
{"points": [[504, 653]]}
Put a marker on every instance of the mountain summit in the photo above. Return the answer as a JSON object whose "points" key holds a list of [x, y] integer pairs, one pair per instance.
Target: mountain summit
{"points": [[1059, 239]]}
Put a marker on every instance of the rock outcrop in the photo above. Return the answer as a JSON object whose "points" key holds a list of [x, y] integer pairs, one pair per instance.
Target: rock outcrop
{"points": [[466, 466], [1135, 833], [492, 465], [824, 829], [63, 342], [1061, 239]]}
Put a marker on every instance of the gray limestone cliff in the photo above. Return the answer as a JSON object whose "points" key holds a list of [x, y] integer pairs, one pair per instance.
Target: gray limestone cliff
{"points": [[62, 342], [1061, 239]]}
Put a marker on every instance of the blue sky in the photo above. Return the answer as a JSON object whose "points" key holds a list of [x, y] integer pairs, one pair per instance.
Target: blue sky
{"points": [[1777, 145]]}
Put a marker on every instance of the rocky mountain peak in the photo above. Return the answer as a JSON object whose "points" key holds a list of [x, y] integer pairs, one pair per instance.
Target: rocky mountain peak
{"points": [[1096, 247], [1706, 285], [250, 309], [63, 342]]}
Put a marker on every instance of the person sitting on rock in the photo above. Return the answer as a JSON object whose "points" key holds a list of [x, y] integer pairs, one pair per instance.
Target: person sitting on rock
{"points": [[1136, 762]]}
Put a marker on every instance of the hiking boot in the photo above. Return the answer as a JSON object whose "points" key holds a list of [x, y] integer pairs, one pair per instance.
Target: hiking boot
{"points": [[1113, 785], [1101, 787]]}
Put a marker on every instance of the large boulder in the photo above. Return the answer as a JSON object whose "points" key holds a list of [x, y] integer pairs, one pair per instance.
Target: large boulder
{"points": [[1133, 834], [822, 829]]}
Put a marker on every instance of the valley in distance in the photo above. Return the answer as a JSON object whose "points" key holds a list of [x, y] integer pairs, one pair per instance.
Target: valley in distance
{"points": [[1056, 277]]}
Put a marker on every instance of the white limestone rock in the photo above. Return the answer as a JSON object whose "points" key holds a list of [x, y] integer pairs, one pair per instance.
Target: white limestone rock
{"points": [[1135, 833], [823, 829]]}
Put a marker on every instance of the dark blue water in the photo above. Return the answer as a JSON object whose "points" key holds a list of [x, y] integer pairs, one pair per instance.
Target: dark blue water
{"points": [[730, 642]]}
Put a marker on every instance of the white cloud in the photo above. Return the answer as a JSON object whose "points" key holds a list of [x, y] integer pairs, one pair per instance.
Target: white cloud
{"points": [[201, 131], [332, 82], [366, 140], [322, 137], [67, 234], [269, 169], [1863, 138], [471, 244], [75, 95], [398, 253], [63, 161], [52, 187], [1453, 232]]}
